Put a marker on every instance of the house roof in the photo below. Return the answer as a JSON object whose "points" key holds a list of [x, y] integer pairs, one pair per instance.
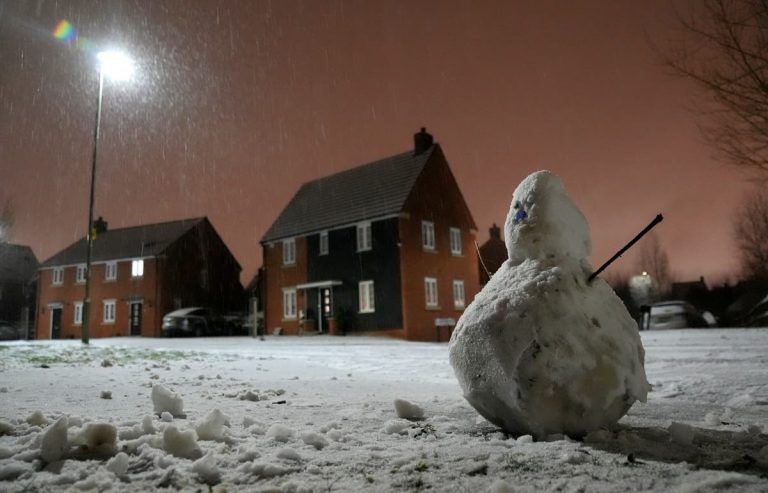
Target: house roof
{"points": [[147, 240], [366, 192], [17, 262]]}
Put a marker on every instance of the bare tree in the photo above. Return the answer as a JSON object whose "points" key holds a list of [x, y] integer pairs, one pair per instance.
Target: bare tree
{"points": [[723, 48], [751, 232], [652, 259]]}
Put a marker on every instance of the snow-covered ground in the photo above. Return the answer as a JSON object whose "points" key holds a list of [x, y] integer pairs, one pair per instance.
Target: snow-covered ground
{"points": [[318, 414]]}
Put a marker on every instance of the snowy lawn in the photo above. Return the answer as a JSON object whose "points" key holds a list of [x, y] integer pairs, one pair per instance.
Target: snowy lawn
{"points": [[318, 414]]}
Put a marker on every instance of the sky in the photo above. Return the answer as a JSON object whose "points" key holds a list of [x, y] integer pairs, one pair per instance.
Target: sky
{"points": [[235, 104]]}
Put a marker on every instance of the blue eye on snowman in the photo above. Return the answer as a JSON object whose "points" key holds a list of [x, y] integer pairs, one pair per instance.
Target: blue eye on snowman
{"points": [[521, 215]]}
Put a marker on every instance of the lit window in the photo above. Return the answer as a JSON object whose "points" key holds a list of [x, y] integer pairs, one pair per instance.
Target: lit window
{"points": [[428, 235], [78, 313], [289, 304], [80, 277], [109, 312], [289, 251], [455, 241], [364, 238], [110, 271], [430, 291], [458, 294], [137, 268], [367, 304], [58, 276], [324, 243]]}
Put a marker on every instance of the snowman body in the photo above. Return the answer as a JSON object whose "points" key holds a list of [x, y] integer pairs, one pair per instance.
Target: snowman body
{"points": [[540, 350]]}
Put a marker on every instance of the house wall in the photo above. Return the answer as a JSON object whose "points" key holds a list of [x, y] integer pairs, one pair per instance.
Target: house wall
{"points": [[435, 197], [123, 290], [343, 262], [278, 276]]}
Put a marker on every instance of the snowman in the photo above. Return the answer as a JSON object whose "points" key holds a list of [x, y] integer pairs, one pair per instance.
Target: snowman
{"points": [[541, 350]]}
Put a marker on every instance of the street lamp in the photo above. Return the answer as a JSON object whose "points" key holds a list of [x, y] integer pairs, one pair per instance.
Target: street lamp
{"points": [[117, 66]]}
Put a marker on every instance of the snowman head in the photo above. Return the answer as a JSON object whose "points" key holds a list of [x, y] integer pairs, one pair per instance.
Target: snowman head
{"points": [[543, 222]]}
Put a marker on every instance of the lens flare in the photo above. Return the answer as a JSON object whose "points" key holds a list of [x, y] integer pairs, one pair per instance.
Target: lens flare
{"points": [[64, 31]]}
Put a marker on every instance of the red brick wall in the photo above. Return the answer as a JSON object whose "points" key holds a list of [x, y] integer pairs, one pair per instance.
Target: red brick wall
{"points": [[278, 276], [437, 198]]}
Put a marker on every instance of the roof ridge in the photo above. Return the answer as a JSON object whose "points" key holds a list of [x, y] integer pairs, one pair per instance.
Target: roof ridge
{"points": [[192, 219], [370, 163]]}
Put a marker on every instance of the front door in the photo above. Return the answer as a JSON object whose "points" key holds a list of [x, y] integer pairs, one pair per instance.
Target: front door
{"points": [[56, 323], [324, 304], [135, 319]]}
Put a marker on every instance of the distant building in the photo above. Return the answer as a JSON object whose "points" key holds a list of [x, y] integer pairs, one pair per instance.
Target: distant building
{"points": [[18, 281], [493, 253], [385, 248], [137, 275]]}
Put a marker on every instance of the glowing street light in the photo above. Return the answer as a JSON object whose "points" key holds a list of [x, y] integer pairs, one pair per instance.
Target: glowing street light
{"points": [[119, 67]]}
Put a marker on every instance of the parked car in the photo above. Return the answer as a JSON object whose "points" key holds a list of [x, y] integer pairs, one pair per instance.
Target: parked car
{"points": [[195, 321], [678, 315]]}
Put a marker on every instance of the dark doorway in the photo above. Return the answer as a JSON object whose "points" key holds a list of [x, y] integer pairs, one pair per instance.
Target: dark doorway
{"points": [[134, 319], [56, 323]]}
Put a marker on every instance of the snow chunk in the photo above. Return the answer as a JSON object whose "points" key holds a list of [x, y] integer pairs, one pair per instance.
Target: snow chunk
{"points": [[681, 433], [525, 439], [206, 468], [106, 394], [118, 464], [98, 481], [5, 428], [12, 469], [396, 427], [181, 443], [54, 445], [212, 426], [500, 486], [37, 419], [280, 433], [166, 401], [5, 453], [315, 439], [147, 426], [166, 417], [101, 438], [407, 410], [265, 470], [289, 454]]}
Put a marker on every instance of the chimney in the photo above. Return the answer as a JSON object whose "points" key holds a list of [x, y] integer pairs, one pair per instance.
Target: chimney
{"points": [[422, 141], [100, 225], [495, 232]]}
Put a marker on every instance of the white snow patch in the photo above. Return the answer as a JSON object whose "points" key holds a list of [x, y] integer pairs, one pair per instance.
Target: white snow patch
{"points": [[165, 400], [181, 443], [206, 468], [314, 439], [280, 433], [55, 443], [212, 426], [37, 418], [396, 427], [118, 464], [408, 410], [289, 454]]}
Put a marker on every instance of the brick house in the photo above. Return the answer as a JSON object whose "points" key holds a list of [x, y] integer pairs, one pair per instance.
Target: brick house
{"points": [[137, 275], [386, 248], [18, 281]]}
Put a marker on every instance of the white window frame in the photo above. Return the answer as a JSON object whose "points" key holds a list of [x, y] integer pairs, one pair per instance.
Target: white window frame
{"points": [[109, 311], [428, 235], [364, 236], [58, 276], [430, 292], [289, 304], [459, 295], [80, 273], [289, 251], [323, 243], [366, 297], [455, 234], [78, 315], [110, 271], [137, 268]]}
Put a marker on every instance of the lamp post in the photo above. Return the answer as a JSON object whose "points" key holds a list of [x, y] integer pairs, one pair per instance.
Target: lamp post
{"points": [[117, 66]]}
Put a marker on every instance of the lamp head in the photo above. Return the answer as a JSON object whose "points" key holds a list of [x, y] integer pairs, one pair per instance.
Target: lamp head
{"points": [[116, 65]]}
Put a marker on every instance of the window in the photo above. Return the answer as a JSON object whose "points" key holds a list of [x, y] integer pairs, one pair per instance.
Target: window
{"points": [[58, 276], [428, 235], [289, 251], [137, 268], [324, 243], [364, 236], [289, 304], [458, 294], [455, 241], [109, 312], [367, 304], [78, 313], [110, 271], [80, 277], [430, 291]]}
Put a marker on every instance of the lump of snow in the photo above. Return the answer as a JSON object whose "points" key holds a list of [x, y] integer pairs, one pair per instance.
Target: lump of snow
{"points": [[37, 419], [524, 439], [540, 350], [5, 428], [576, 457], [166, 401], [98, 481], [106, 363], [212, 426], [166, 417], [181, 444], [280, 433], [407, 410], [12, 469], [265, 470], [106, 394], [396, 427], [5, 452], [289, 454], [681, 433], [54, 444], [118, 464], [147, 426], [712, 419], [101, 438], [500, 486], [314, 439], [206, 468]]}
